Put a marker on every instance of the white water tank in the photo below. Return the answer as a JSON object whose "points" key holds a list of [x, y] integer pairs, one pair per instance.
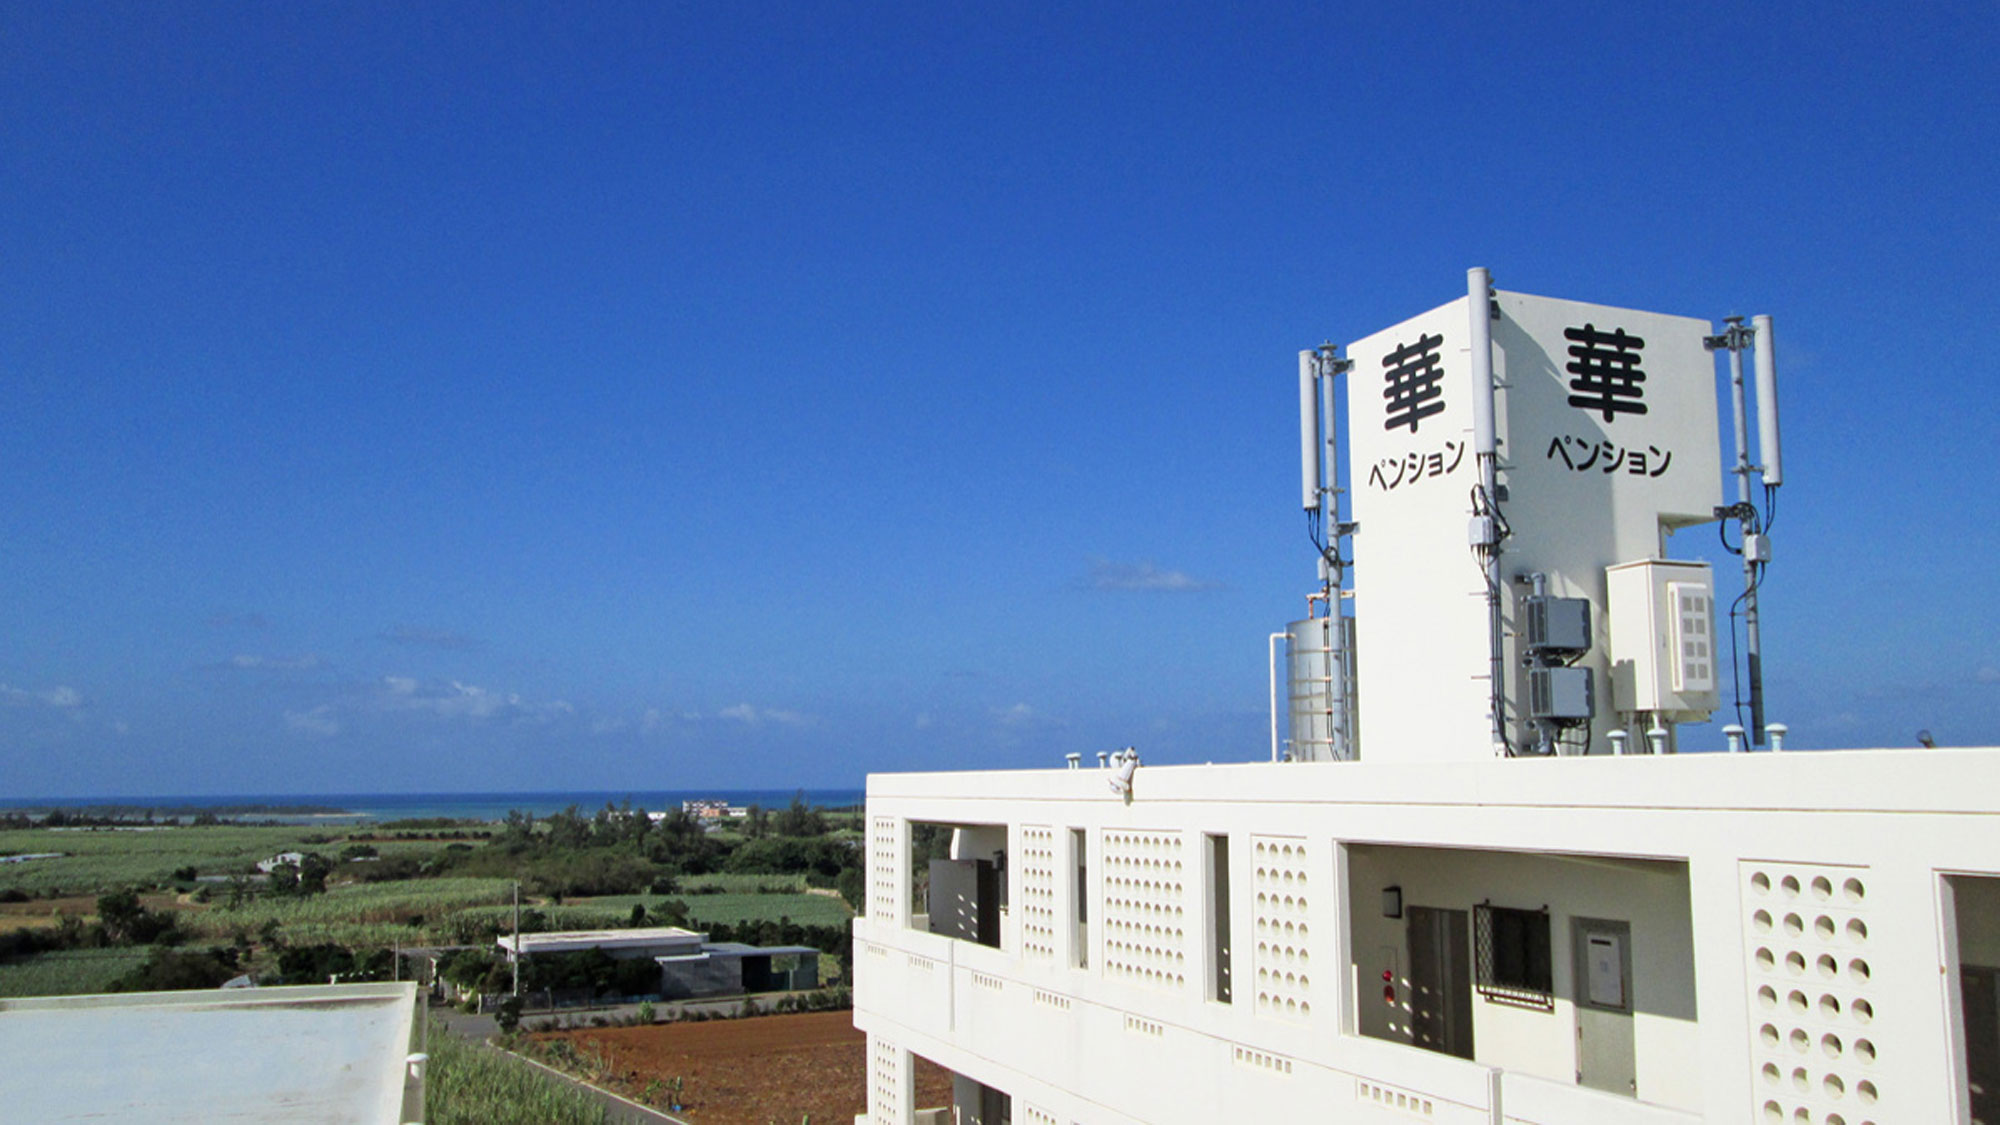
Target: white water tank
{"points": [[1319, 677]]}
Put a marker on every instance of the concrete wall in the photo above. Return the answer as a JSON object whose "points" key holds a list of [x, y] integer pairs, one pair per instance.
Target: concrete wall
{"points": [[1653, 896]]}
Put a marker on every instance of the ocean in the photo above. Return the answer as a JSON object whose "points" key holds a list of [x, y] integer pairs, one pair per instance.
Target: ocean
{"points": [[365, 808]]}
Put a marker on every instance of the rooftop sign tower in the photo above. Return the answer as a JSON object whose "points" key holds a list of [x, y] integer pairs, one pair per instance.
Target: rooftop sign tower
{"points": [[1515, 467]]}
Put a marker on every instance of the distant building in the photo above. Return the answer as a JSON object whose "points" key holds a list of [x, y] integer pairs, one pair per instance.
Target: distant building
{"points": [[282, 859], [691, 966], [713, 809]]}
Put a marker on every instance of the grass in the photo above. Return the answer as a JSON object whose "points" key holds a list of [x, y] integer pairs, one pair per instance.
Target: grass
{"points": [[69, 972], [470, 1085]]}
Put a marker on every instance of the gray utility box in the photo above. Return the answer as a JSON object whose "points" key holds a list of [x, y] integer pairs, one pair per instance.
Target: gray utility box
{"points": [[1561, 695], [1558, 627]]}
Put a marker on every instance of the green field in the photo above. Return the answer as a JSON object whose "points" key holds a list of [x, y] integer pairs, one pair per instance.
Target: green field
{"points": [[101, 859], [806, 910], [737, 884], [464, 926], [733, 909], [401, 912], [70, 972]]}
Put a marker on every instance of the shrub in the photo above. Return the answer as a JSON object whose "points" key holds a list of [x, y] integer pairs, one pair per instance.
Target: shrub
{"points": [[509, 1015], [168, 970]]}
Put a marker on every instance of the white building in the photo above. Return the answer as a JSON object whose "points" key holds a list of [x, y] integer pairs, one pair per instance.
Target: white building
{"points": [[282, 859], [1484, 888]]}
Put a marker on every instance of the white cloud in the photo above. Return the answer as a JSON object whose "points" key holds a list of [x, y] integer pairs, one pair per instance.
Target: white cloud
{"points": [[758, 716], [1021, 725], [473, 701], [1020, 714], [656, 721], [319, 722], [455, 699], [1140, 576], [60, 697], [452, 701]]}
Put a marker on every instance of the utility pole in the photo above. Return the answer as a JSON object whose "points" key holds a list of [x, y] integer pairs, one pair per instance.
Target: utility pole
{"points": [[517, 937]]}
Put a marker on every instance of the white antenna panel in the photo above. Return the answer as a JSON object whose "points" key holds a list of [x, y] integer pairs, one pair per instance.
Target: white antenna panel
{"points": [[1766, 351], [1309, 463]]}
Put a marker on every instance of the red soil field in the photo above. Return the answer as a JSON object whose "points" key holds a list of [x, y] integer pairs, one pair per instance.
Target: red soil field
{"points": [[767, 1070]]}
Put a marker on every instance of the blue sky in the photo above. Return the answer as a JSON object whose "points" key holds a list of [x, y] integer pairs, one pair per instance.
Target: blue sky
{"points": [[492, 396]]}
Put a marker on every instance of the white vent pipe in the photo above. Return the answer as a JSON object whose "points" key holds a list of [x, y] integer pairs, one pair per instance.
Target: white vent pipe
{"points": [[1275, 638]]}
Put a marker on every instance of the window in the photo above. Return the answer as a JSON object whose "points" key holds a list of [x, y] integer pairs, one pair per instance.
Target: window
{"points": [[1514, 966], [1080, 930], [1219, 985], [962, 888]]}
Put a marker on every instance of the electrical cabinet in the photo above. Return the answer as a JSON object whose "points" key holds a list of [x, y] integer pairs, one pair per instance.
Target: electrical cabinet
{"points": [[1558, 627], [1561, 695], [1662, 639]]}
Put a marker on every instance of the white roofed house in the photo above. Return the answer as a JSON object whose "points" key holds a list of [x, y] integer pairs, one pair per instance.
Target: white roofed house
{"points": [[1478, 882], [688, 965], [282, 859]]}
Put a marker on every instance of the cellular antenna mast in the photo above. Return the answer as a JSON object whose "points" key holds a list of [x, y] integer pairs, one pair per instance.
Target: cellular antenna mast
{"points": [[1320, 664], [1319, 463], [1753, 526]]}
